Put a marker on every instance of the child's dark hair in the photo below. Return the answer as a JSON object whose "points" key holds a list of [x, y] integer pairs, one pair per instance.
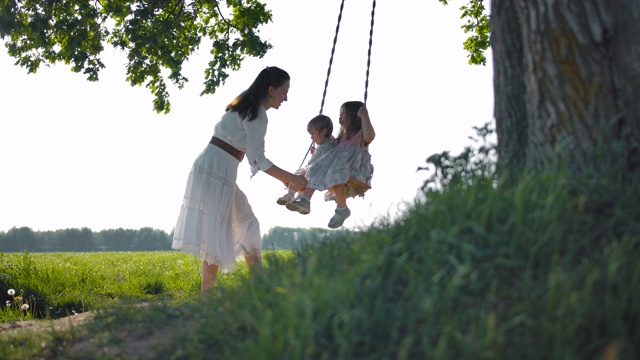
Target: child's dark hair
{"points": [[321, 122], [246, 104], [351, 109]]}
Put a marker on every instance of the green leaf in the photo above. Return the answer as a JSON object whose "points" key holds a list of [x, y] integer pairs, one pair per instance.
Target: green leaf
{"points": [[158, 37], [477, 23]]}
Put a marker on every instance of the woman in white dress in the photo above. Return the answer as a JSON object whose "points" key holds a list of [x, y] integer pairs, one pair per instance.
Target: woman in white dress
{"points": [[216, 222]]}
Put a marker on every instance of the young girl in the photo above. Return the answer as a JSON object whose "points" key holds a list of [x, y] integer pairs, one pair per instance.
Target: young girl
{"points": [[320, 128], [350, 160]]}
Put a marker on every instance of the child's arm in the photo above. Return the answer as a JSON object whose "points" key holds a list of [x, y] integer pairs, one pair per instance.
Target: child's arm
{"points": [[368, 134]]}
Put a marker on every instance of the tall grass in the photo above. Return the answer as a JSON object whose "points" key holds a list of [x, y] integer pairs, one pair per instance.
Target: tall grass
{"points": [[59, 284], [544, 268], [538, 271]]}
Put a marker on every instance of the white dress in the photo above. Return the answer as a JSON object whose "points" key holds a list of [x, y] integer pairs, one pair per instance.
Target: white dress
{"points": [[347, 162], [216, 222]]}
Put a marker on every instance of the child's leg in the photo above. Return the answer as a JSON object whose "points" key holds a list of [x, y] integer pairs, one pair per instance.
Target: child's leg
{"points": [[342, 211], [308, 193], [341, 199], [302, 203], [291, 194]]}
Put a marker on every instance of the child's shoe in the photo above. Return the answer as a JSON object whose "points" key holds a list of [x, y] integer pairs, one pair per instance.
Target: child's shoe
{"points": [[284, 199], [339, 217], [301, 204]]}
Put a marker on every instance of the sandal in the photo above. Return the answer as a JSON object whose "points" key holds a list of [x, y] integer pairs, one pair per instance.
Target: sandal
{"points": [[339, 217], [300, 204]]}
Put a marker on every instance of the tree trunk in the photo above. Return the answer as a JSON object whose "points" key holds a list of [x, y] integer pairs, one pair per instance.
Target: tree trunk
{"points": [[567, 82], [509, 87]]}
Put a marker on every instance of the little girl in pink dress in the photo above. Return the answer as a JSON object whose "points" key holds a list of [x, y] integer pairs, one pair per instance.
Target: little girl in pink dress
{"points": [[346, 170]]}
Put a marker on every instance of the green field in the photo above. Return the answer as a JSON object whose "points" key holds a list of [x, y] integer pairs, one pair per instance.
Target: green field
{"points": [[54, 285]]}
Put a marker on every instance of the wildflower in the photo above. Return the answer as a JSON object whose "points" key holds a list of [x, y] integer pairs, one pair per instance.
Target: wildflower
{"points": [[11, 292], [25, 307], [8, 302]]}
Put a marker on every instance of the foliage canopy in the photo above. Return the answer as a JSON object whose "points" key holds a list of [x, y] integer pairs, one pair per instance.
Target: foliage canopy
{"points": [[158, 37], [477, 24]]}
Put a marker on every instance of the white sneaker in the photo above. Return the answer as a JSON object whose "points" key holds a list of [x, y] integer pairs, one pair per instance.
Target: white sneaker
{"points": [[284, 199]]}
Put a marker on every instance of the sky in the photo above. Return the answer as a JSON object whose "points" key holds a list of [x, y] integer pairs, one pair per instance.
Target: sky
{"points": [[77, 154]]}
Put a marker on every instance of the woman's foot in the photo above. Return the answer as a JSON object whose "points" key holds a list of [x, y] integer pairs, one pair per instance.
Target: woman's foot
{"points": [[301, 204], [339, 217]]}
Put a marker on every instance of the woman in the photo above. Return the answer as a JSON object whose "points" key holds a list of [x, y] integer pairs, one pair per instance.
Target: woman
{"points": [[216, 222]]}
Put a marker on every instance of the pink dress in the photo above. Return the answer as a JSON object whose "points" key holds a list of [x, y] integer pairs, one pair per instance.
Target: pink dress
{"points": [[348, 160]]}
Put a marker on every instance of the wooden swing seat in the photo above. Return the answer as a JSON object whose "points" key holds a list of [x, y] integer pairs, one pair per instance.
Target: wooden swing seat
{"points": [[355, 188]]}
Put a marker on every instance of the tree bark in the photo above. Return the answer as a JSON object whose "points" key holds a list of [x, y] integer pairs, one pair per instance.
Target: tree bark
{"points": [[509, 87], [567, 82]]}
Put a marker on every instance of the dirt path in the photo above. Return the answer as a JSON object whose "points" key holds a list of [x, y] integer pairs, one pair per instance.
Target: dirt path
{"points": [[45, 325], [128, 348]]}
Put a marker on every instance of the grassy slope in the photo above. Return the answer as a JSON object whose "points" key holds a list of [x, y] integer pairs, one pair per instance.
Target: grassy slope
{"points": [[546, 269]]}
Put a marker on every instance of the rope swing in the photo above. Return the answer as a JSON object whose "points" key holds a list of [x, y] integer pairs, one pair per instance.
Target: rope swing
{"points": [[366, 82], [333, 50]]}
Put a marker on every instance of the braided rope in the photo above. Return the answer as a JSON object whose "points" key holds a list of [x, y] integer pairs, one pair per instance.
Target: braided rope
{"points": [[333, 50], [326, 82], [366, 83]]}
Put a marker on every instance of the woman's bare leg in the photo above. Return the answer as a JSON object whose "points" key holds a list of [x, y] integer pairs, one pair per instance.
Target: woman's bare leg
{"points": [[209, 274], [253, 261]]}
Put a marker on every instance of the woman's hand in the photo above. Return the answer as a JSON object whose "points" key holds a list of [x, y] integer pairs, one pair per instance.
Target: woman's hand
{"points": [[298, 183], [292, 181]]}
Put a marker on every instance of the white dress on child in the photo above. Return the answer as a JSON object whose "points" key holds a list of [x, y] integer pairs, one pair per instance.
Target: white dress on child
{"points": [[216, 222], [321, 151], [349, 160]]}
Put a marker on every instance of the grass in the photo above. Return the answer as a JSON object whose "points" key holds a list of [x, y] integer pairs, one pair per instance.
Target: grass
{"points": [[59, 284], [55, 285], [545, 268]]}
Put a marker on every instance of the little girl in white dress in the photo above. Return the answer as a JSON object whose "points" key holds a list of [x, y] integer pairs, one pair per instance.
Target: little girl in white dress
{"points": [[345, 171], [321, 129]]}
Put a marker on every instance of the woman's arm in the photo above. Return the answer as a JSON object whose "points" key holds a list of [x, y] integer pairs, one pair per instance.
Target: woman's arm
{"points": [[368, 134], [296, 182]]}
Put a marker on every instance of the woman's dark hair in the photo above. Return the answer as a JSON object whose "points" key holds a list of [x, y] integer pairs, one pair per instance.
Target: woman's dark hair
{"points": [[320, 122], [351, 109], [246, 104]]}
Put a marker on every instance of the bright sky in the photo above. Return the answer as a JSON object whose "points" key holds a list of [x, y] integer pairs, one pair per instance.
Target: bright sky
{"points": [[78, 154]]}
